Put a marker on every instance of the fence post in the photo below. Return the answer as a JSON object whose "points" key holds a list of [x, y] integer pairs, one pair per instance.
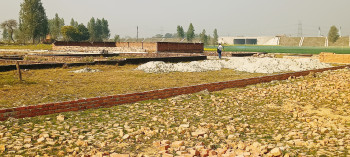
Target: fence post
{"points": [[19, 71]]}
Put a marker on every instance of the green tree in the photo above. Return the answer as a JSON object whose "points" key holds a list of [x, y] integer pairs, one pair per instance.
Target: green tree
{"points": [[333, 34], [91, 27], [204, 37], [55, 26], [10, 26], [70, 33], [73, 23], [83, 33], [180, 32], [190, 33], [105, 30], [215, 37], [33, 20], [116, 38], [168, 35], [98, 30], [5, 35]]}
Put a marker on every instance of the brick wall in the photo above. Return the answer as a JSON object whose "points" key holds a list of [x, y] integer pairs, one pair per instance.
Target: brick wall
{"points": [[109, 101], [145, 46], [180, 47], [130, 47], [334, 58]]}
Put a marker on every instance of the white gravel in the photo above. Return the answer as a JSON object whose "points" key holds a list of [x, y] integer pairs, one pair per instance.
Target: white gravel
{"points": [[86, 70], [246, 64]]}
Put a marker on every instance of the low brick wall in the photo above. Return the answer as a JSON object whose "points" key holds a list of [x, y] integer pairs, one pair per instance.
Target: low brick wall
{"points": [[334, 58], [109, 101], [129, 47], [180, 47]]}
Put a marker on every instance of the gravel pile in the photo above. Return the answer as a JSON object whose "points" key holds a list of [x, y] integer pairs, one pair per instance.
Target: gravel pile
{"points": [[86, 70], [246, 64]]}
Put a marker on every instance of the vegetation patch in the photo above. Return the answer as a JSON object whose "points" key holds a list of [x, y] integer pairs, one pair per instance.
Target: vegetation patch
{"points": [[56, 85]]}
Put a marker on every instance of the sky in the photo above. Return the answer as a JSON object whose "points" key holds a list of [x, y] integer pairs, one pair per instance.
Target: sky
{"points": [[229, 17]]}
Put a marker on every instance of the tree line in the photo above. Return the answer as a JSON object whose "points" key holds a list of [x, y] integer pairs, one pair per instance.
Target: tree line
{"points": [[190, 35], [34, 26]]}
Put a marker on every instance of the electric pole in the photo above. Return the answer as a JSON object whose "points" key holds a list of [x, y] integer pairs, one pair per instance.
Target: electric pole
{"points": [[319, 32], [300, 29], [137, 33]]}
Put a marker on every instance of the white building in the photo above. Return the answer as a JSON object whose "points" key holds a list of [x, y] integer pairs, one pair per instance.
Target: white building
{"points": [[272, 40]]}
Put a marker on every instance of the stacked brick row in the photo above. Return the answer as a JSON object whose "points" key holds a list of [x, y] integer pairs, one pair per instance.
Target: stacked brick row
{"points": [[109, 101]]}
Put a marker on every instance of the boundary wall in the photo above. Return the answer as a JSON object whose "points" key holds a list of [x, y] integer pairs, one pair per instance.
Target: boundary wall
{"points": [[109, 101], [129, 47]]}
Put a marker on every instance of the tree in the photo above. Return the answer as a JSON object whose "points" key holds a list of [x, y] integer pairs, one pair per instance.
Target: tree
{"points": [[73, 23], [333, 34], [91, 28], [55, 26], [190, 33], [105, 30], [216, 37], [10, 26], [98, 30], [83, 33], [204, 37], [33, 20], [70, 33], [5, 35], [180, 32], [158, 36], [116, 38], [168, 35]]}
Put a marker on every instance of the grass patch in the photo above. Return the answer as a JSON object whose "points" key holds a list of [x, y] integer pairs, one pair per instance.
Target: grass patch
{"points": [[55, 85], [30, 47]]}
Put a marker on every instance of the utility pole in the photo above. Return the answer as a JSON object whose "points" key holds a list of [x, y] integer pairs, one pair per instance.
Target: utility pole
{"points": [[319, 31], [137, 34], [340, 31], [300, 29]]}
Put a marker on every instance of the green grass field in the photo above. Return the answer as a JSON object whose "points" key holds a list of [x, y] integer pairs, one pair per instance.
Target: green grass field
{"points": [[282, 49], [29, 47]]}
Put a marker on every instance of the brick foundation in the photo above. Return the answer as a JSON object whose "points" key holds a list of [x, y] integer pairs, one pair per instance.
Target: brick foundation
{"points": [[109, 101]]}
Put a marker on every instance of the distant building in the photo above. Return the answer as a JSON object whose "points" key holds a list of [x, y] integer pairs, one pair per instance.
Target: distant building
{"points": [[272, 40]]}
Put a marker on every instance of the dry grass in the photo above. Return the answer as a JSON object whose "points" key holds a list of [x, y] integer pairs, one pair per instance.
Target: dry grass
{"points": [[55, 85]]}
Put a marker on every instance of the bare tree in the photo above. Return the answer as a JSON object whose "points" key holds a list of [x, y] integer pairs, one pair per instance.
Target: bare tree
{"points": [[10, 26]]}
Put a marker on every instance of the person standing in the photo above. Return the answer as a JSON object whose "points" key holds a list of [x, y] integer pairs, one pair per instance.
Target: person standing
{"points": [[219, 50]]}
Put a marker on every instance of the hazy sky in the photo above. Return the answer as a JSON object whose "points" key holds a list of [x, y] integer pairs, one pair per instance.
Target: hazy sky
{"points": [[230, 17]]}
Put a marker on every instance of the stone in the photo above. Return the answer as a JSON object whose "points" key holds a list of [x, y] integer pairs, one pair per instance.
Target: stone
{"points": [[119, 155], [230, 137], [184, 126], [278, 137], [164, 142], [198, 133], [177, 144], [60, 118], [126, 136], [2, 148], [41, 139], [164, 147], [276, 152], [27, 140]]}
